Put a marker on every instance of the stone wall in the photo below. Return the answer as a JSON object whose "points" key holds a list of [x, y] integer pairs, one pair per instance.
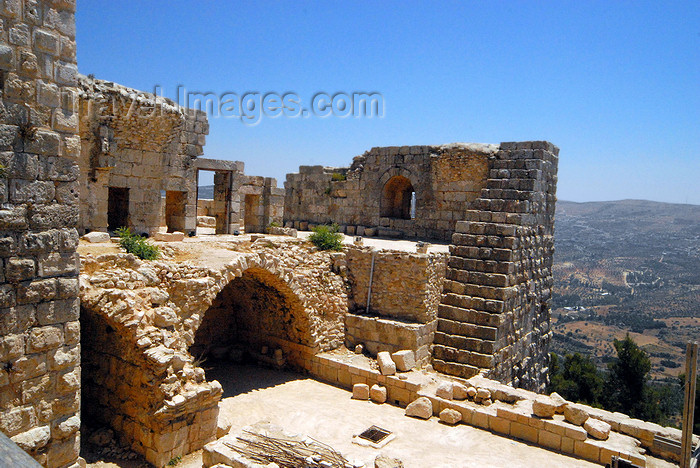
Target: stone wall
{"points": [[134, 148], [375, 191], [405, 285], [378, 334], [406, 291], [262, 203], [248, 202], [495, 313], [39, 146]]}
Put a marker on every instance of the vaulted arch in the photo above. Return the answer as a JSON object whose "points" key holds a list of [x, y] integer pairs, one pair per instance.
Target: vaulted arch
{"points": [[253, 310], [398, 198]]}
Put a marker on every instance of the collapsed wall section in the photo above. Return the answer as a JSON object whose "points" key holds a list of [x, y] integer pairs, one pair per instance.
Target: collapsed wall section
{"points": [[39, 145], [495, 313], [137, 153], [408, 191]]}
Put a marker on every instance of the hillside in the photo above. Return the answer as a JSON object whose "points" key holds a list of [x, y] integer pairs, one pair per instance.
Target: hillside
{"points": [[627, 266]]}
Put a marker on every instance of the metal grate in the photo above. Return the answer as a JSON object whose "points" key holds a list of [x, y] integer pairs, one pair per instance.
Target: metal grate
{"points": [[375, 434]]}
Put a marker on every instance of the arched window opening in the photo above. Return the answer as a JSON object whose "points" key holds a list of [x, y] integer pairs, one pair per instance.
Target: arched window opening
{"points": [[398, 199]]}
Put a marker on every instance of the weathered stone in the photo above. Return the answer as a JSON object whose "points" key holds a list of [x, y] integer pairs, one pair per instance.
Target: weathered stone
{"points": [[459, 391], [544, 407], [96, 237], [559, 401], [597, 428], [471, 392], [482, 394], [66, 427], [404, 360], [360, 391], [223, 426], [33, 439], [575, 414], [445, 390], [377, 393], [450, 416], [164, 317], [420, 408], [382, 461], [386, 364]]}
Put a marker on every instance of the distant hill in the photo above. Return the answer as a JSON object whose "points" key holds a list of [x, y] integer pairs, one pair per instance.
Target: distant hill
{"points": [[626, 228], [627, 266], [206, 191]]}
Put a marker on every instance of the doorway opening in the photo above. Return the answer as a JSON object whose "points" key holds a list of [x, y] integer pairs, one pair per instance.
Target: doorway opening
{"points": [[252, 218], [175, 205], [117, 208], [398, 199]]}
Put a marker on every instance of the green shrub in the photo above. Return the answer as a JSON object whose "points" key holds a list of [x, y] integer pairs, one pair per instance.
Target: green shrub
{"points": [[3, 171], [272, 224], [337, 176], [137, 245], [327, 237]]}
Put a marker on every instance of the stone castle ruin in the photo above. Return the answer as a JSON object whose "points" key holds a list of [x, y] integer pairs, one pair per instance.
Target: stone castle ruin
{"points": [[91, 336], [139, 168]]}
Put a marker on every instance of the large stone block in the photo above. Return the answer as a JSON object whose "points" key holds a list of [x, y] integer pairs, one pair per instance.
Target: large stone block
{"points": [[404, 360], [420, 408], [386, 364]]}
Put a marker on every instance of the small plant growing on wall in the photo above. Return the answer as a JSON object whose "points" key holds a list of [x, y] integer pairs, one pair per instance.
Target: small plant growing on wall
{"points": [[137, 245], [327, 237], [27, 130], [3, 171], [272, 224], [337, 177]]}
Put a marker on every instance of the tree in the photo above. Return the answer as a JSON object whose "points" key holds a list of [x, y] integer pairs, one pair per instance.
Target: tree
{"points": [[626, 387], [577, 379]]}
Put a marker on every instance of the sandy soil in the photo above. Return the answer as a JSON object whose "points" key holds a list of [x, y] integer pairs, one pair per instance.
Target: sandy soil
{"points": [[328, 414]]}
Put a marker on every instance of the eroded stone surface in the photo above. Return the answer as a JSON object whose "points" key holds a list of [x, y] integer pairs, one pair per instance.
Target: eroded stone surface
{"points": [[421, 408], [386, 364], [544, 407], [597, 428], [450, 416], [575, 414], [377, 393]]}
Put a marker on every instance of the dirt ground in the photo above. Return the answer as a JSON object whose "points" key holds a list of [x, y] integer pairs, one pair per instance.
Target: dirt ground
{"points": [[328, 414]]}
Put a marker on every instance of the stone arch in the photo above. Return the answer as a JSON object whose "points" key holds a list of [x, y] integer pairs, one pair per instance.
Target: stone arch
{"points": [[254, 309], [397, 198], [113, 374]]}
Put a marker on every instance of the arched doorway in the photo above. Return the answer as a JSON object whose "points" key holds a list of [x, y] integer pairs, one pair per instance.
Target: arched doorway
{"points": [[398, 198], [255, 319]]}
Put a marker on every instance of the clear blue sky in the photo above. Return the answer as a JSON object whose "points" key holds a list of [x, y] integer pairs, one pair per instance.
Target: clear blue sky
{"points": [[616, 85]]}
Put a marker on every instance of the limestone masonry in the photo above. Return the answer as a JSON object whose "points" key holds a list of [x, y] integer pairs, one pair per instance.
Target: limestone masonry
{"points": [[94, 338], [39, 199], [411, 191]]}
